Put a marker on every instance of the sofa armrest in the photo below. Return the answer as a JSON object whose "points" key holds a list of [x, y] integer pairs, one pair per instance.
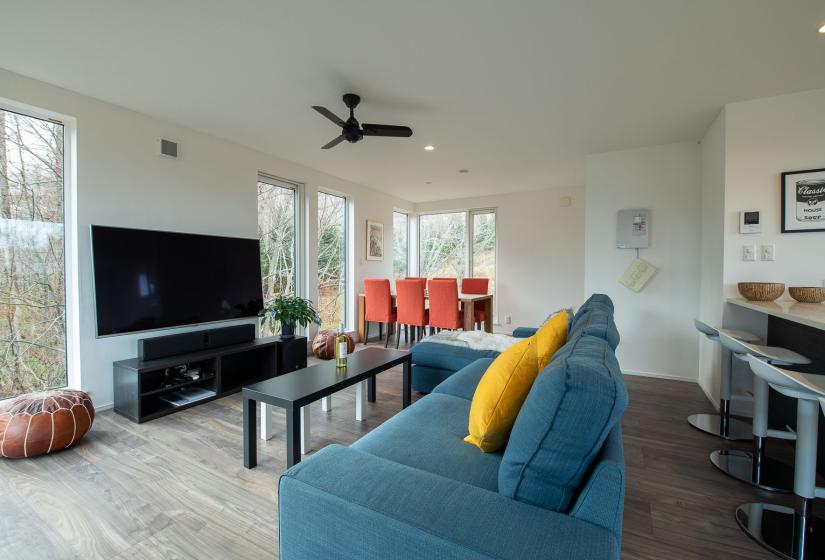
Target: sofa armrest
{"points": [[524, 332], [343, 503]]}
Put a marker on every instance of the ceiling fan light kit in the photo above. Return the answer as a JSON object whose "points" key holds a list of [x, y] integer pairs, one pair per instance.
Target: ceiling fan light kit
{"points": [[352, 131]]}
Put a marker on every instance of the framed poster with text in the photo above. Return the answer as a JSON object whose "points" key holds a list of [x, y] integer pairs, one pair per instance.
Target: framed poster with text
{"points": [[803, 201]]}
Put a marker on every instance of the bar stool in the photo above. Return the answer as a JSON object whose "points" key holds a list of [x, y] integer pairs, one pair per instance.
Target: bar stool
{"points": [[722, 424], [793, 533], [756, 468]]}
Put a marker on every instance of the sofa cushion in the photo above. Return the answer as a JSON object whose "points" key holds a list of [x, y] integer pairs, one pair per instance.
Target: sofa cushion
{"points": [[463, 383], [445, 356], [429, 436], [574, 403], [595, 318], [500, 394]]}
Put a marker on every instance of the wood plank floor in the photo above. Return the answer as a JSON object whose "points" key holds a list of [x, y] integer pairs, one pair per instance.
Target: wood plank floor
{"points": [[176, 488]]}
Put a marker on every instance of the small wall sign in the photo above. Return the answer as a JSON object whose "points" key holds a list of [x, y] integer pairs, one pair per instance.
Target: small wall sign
{"points": [[803, 201]]}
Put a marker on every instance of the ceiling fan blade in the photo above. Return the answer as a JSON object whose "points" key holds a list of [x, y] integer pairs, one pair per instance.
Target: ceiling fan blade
{"points": [[330, 115], [333, 143], [386, 130]]}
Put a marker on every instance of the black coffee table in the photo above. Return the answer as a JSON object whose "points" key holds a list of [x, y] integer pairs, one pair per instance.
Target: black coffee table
{"points": [[297, 389]]}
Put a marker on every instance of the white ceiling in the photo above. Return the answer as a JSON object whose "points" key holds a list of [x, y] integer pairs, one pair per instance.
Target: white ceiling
{"points": [[517, 92]]}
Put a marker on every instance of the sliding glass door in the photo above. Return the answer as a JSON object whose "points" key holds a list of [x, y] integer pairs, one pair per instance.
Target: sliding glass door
{"points": [[332, 259], [32, 265]]}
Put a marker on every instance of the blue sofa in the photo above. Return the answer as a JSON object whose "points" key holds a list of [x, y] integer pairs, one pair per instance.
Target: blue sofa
{"points": [[412, 488]]}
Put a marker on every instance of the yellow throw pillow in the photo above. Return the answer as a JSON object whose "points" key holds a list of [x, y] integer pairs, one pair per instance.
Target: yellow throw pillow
{"points": [[551, 337], [500, 394]]}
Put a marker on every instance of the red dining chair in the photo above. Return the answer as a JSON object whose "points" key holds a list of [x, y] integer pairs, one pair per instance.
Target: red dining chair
{"points": [[378, 307], [476, 286], [412, 311], [444, 304]]}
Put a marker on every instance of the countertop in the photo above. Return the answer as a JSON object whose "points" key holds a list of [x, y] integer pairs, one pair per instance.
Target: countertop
{"points": [[810, 314]]}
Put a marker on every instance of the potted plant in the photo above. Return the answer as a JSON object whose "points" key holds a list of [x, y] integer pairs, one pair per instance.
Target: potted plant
{"points": [[289, 311]]}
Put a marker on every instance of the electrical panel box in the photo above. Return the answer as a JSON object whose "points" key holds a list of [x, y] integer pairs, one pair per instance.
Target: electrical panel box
{"points": [[633, 229]]}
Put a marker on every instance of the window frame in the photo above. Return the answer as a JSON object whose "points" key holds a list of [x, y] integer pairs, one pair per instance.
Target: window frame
{"points": [[299, 259], [348, 269], [71, 276], [469, 226], [408, 235]]}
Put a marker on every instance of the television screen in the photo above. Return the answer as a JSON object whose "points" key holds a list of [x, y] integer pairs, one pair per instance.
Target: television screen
{"points": [[154, 279]]}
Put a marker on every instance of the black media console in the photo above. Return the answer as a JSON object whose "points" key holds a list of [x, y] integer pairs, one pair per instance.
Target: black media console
{"points": [[143, 389]]}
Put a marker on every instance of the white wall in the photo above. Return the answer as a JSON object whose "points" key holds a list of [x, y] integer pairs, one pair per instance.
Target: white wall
{"points": [[764, 138], [656, 325], [210, 189], [540, 249], [712, 252]]}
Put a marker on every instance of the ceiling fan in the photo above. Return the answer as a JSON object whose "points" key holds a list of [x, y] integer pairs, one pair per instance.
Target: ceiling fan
{"points": [[352, 132]]}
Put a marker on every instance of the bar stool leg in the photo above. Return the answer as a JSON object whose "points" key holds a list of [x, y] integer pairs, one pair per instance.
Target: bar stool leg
{"points": [[756, 468], [722, 424], [793, 533]]}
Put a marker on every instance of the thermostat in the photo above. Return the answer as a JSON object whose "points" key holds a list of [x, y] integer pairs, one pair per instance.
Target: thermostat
{"points": [[750, 221]]}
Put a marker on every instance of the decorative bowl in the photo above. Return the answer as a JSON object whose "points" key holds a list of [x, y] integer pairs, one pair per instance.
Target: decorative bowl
{"points": [[807, 294], [761, 291]]}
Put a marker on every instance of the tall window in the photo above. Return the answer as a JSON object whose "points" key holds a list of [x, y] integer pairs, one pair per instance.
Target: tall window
{"points": [[32, 268], [332, 259], [442, 242], [457, 244], [400, 244], [483, 257], [277, 227]]}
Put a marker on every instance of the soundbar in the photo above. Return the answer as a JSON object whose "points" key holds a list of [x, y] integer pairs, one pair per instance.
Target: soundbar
{"points": [[187, 343]]}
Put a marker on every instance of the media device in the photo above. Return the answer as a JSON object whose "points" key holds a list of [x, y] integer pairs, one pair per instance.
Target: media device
{"points": [[186, 343], [154, 279]]}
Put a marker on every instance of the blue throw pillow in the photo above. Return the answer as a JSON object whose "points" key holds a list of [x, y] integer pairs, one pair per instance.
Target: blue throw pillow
{"points": [[571, 408]]}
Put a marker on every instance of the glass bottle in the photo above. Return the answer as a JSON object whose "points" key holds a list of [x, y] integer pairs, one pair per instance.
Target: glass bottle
{"points": [[341, 347]]}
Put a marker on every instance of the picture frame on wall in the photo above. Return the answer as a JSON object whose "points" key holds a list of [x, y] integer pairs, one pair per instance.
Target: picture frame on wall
{"points": [[375, 241], [803, 201]]}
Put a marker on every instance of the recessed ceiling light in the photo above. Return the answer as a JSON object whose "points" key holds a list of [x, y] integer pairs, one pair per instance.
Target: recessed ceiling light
{"points": [[429, 147], [822, 29]]}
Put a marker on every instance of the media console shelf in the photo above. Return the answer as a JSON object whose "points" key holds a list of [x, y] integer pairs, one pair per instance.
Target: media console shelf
{"points": [[140, 386]]}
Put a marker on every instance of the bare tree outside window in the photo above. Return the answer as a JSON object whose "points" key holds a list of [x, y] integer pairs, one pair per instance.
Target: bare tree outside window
{"points": [[400, 248], [332, 219], [442, 244], [32, 271], [276, 231], [484, 248]]}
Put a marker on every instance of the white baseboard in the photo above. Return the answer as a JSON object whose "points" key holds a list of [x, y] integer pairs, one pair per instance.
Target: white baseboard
{"points": [[658, 375], [102, 407]]}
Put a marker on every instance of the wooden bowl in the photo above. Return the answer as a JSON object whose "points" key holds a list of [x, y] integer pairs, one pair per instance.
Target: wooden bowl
{"points": [[807, 295], [761, 291]]}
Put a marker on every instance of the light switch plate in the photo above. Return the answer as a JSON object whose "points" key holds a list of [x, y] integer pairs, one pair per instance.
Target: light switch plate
{"points": [[767, 253], [748, 253]]}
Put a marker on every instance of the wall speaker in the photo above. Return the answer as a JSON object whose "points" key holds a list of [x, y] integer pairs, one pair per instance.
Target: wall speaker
{"points": [[197, 341], [292, 354], [168, 148]]}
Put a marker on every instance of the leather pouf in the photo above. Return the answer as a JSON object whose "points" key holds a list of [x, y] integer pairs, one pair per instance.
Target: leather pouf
{"points": [[40, 423], [323, 345]]}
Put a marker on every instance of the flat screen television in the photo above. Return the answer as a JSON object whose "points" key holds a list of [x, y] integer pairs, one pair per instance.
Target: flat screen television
{"points": [[155, 279]]}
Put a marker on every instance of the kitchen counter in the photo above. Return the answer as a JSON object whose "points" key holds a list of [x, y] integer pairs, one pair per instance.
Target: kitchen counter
{"points": [[809, 314]]}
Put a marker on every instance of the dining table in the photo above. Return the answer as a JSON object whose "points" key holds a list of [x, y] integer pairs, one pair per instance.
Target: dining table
{"points": [[468, 313]]}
